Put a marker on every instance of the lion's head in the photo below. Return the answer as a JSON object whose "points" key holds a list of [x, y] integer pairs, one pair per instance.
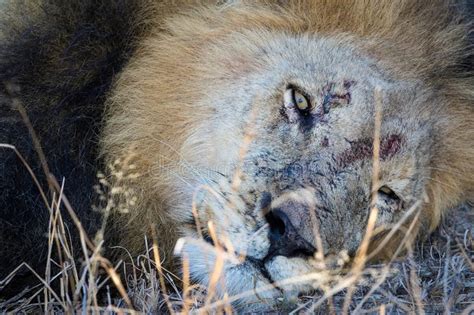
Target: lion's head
{"points": [[255, 126]]}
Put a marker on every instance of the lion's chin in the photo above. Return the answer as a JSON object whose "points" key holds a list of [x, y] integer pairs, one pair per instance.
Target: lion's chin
{"points": [[295, 276], [277, 283]]}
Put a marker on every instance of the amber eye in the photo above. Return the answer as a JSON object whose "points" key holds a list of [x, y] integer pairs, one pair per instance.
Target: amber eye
{"points": [[296, 100], [300, 101]]}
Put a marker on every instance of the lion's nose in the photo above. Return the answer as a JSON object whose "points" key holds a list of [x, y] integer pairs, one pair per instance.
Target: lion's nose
{"points": [[285, 238]]}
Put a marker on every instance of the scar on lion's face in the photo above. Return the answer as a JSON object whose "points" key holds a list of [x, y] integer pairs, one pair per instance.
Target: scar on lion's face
{"points": [[363, 149]]}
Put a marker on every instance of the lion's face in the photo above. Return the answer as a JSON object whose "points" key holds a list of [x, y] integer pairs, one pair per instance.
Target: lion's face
{"points": [[255, 136], [284, 169]]}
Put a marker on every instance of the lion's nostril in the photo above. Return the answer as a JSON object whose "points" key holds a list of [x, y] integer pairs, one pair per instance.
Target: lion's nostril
{"points": [[284, 237], [277, 226]]}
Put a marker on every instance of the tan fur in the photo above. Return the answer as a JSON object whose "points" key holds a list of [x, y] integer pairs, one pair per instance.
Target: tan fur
{"points": [[157, 105]]}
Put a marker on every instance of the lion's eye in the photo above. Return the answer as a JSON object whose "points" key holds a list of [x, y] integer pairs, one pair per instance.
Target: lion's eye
{"points": [[384, 190], [389, 199], [300, 101], [296, 104]]}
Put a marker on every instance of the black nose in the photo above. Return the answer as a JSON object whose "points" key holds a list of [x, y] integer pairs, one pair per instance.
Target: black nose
{"points": [[284, 237]]}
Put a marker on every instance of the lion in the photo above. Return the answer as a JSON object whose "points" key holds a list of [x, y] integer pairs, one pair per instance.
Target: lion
{"points": [[277, 135]]}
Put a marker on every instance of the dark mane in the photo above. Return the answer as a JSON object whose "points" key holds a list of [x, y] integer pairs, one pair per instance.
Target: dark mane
{"points": [[62, 57]]}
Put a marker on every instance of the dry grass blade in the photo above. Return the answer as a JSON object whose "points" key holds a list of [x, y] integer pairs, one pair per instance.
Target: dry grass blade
{"points": [[157, 258], [415, 282], [12, 90], [116, 280], [218, 265], [82, 232], [361, 256], [186, 285], [30, 171], [46, 285]]}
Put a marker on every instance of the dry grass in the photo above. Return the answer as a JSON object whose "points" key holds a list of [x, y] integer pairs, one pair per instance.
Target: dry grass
{"points": [[437, 276]]}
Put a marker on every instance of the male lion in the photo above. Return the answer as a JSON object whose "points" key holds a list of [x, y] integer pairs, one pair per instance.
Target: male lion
{"points": [[262, 133]]}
